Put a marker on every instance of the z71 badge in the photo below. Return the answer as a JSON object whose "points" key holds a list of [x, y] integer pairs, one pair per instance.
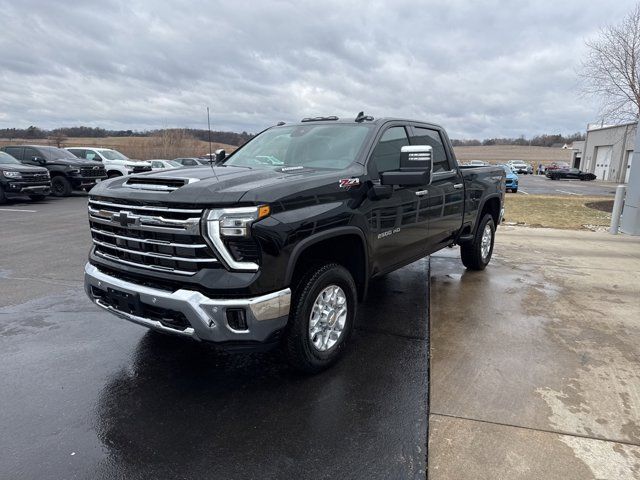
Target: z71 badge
{"points": [[349, 182]]}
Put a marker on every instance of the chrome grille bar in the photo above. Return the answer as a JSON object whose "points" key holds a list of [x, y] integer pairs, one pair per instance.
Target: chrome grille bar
{"points": [[150, 241], [140, 207], [142, 265], [163, 256]]}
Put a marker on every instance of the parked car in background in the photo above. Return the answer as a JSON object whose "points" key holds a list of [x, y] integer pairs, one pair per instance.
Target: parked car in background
{"points": [[519, 166], [556, 166], [160, 164], [19, 179], [477, 163], [570, 174], [115, 163], [67, 171], [511, 179], [192, 161]]}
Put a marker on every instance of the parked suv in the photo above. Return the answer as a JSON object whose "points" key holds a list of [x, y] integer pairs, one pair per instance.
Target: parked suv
{"points": [[67, 171], [115, 163], [19, 179], [518, 166]]}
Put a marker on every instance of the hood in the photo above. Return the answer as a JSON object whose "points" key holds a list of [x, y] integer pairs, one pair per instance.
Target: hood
{"points": [[217, 185], [77, 162], [9, 167]]}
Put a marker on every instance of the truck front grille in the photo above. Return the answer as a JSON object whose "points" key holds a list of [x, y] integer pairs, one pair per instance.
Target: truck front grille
{"points": [[93, 172], [150, 237], [30, 177]]}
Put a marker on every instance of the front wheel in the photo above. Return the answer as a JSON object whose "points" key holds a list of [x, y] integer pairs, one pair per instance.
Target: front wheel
{"points": [[322, 315], [60, 186], [514, 190], [476, 254]]}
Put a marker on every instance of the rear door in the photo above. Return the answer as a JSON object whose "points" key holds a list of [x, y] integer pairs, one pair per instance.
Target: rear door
{"points": [[397, 230], [444, 205]]}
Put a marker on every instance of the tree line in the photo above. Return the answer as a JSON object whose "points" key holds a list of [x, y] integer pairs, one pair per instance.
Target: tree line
{"points": [[537, 141], [33, 132]]}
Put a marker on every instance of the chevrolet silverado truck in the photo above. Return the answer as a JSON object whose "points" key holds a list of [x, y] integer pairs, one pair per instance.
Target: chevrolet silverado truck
{"points": [[67, 172], [18, 179], [276, 243], [114, 162]]}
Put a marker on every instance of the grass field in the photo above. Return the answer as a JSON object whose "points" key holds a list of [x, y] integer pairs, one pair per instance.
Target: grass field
{"points": [[504, 153], [142, 148], [567, 212]]}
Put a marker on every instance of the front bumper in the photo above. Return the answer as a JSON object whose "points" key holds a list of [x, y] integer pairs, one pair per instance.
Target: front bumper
{"points": [[207, 318], [23, 188], [84, 182]]}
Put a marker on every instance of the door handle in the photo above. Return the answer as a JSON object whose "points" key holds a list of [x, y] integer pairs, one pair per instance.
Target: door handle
{"points": [[422, 193], [458, 186]]}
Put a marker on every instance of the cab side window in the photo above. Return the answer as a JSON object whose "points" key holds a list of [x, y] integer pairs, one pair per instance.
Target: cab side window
{"points": [[427, 136], [91, 155], [29, 153], [78, 153], [386, 155], [157, 165]]}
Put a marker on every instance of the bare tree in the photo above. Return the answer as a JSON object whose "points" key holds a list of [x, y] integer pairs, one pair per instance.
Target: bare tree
{"points": [[58, 137], [611, 69]]}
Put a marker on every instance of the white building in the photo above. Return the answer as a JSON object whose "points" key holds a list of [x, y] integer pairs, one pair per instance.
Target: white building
{"points": [[608, 151]]}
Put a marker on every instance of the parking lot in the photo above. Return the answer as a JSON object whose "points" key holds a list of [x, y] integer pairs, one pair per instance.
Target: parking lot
{"points": [[87, 395], [541, 185]]}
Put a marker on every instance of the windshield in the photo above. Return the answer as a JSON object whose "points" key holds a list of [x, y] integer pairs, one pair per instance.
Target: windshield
{"points": [[6, 159], [173, 163], [53, 153], [311, 146], [112, 155], [507, 169]]}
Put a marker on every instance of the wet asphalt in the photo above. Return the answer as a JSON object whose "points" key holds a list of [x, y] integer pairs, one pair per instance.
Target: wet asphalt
{"points": [[88, 395]]}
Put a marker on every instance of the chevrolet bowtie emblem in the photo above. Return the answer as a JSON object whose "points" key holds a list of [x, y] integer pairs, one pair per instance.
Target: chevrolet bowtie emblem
{"points": [[125, 218]]}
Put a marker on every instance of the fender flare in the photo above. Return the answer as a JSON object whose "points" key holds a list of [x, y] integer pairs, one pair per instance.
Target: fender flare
{"points": [[481, 208], [326, 235]]}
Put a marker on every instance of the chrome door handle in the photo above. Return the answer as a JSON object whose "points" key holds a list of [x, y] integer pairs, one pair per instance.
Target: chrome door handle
{"points": [[458, 186], [422, 193]]}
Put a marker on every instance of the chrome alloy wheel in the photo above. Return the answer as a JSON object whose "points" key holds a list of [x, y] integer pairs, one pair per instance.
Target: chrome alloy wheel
{"points": [[485, 243], [328, 318]]}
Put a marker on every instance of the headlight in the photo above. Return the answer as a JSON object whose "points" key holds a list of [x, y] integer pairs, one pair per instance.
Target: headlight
{"points": [[11, 174], [233, 223]]}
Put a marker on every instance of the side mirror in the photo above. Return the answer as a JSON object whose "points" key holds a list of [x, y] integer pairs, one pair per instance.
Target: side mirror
{"points": [[38, 159], [221, 154], [416, 166]]}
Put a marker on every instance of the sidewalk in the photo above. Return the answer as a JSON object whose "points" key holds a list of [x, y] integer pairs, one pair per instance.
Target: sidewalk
{"points": [[535, 362]]}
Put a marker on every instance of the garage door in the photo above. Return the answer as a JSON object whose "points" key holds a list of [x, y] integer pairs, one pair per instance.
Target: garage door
{"points": [[629, 158], [603, 159]]}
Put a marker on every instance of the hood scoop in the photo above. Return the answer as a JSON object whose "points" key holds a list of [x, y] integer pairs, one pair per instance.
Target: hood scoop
{"points": [[157, 184]]}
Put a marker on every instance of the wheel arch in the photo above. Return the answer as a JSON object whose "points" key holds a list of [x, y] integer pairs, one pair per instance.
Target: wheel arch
{"points": [[344, 245]]}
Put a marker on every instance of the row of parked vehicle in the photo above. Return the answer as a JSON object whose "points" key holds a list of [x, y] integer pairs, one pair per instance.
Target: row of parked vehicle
{"points": [[37, 170]]}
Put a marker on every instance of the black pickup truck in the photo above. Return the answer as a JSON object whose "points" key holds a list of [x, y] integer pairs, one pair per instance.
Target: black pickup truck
{"points": [[67, 172], [19, 179], [277, 243]]}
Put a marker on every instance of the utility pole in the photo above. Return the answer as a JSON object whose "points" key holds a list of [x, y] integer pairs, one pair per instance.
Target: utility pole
{"points": [[631, 213]]}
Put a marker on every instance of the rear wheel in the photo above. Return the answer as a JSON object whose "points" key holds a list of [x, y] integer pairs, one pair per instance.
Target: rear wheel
{"points": [[476, 254], [60, 186], [514, 190], [322, 314]]}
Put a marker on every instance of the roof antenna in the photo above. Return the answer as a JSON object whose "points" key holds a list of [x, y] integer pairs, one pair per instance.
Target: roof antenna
{"points": [[210, 150]]}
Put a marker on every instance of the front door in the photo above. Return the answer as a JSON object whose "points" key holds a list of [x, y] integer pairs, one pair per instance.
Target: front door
{"points": [[445, 206], [398, 231]]}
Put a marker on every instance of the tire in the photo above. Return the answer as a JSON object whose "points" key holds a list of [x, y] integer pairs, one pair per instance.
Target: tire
{"points": [[325, 284], [37, 197], [472, 253], [60, 186], [514, 190], [3, 197]]}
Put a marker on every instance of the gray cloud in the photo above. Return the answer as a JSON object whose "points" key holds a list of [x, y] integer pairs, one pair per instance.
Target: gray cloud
{"points": [[496, 68]]}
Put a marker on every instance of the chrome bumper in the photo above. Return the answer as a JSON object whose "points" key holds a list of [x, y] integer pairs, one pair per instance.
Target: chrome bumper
{"points": [[207, 317]]}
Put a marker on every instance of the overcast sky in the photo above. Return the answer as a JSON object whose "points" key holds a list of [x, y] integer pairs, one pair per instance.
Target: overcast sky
{"points": [[481, 69]]}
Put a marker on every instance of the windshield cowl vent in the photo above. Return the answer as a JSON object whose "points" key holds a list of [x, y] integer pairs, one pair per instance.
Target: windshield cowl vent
{"points": [[157, 184]]}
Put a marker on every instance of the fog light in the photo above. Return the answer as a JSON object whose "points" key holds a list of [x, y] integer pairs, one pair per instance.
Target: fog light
{"points": [[236, 319]]}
